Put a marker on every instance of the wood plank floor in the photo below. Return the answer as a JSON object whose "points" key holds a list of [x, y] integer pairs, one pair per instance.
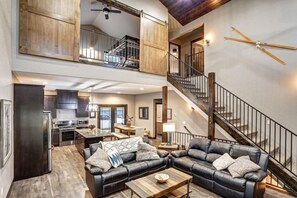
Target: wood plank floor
{"points": [[67, 181]]}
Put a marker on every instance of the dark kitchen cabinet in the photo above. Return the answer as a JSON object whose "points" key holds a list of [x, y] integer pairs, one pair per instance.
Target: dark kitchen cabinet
{"points": [[50, 104], [67, 99], [83, 101], [30, 143]]}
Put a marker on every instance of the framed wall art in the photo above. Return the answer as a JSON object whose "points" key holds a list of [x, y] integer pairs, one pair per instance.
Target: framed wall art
{"points": [[143, 113], [5, 131]]}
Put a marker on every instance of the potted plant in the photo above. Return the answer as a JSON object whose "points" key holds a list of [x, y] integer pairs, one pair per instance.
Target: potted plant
{"points": [[129, 121]]}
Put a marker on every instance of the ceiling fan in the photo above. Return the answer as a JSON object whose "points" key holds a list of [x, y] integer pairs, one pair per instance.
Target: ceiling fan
{"points": [[106, 10]]}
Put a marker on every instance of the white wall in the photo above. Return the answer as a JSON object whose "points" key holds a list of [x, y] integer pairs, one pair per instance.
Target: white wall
{"points": [[6, 90], [246, 71], [181, 111]]}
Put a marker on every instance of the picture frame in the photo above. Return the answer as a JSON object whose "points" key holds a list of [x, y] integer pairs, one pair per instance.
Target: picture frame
{"points": [[92, 114], [143, 113], [5, 131], [169, 113]]}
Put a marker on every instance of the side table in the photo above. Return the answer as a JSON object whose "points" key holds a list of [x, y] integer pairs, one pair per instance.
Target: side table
{"points": [[168, 148]]}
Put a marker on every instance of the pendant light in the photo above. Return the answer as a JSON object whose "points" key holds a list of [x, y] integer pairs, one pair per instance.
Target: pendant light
{"points": [[92, 107]]}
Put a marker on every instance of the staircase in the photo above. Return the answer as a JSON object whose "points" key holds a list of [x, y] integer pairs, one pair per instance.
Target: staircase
{"points": [[242, 121]]}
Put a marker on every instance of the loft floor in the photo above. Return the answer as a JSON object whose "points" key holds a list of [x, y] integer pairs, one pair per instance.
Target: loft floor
{"points": [[67, 181]]}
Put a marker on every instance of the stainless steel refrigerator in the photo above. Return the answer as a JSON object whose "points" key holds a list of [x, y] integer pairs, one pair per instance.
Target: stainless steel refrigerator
{"points": [[47, 134]]}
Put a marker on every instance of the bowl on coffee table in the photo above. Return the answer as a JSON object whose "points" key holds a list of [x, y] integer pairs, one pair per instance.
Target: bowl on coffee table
{"points": [[161, 177]]}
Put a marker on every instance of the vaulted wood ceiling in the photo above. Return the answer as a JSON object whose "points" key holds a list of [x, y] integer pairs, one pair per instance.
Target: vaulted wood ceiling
{"points": [[186, 11]]}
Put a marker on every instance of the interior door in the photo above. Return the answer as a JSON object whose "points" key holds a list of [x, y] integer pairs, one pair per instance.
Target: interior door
{"points": [[159, 119], [50, 28], [110, 115], [153, 45]]}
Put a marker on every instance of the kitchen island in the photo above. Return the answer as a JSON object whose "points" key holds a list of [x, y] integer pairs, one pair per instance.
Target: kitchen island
{"points": [[85, 137]]}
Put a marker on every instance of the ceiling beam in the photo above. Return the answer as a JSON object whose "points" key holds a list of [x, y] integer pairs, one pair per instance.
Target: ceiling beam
{"points": [[121, 6]]}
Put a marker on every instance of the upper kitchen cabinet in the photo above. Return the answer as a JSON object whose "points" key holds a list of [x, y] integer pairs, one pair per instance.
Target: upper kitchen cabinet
{"points": [[83, 101], [50, 28], [153, 45], [67, 99], [50, 104]]}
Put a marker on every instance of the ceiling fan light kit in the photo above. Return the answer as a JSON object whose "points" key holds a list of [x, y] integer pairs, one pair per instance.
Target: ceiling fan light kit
{"points": [[259, 45], [106, 11]]}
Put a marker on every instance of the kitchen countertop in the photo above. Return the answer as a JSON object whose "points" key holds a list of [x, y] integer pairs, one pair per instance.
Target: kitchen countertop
{"points": [[88, 133]]}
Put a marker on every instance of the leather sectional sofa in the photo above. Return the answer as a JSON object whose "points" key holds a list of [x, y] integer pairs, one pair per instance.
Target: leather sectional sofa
{"points": [[197, 161], [102, 184]]}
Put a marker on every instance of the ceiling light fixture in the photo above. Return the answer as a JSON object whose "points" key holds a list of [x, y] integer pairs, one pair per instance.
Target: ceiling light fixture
{"points": [[119, 92], [141, 88], [92, 107]]}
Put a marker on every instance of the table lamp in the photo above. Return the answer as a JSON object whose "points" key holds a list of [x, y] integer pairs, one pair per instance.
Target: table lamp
{"points": [[169, 128]]}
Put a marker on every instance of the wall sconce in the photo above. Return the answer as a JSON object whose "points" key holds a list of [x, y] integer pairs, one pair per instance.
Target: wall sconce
{"points": [[207, 41], [174, 51]]}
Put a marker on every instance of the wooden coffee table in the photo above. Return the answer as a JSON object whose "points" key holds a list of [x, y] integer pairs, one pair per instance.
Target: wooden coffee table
{"points": [[177, 185]]}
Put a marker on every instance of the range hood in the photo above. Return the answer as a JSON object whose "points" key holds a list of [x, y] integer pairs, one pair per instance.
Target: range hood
{"points": [[67, 99]]}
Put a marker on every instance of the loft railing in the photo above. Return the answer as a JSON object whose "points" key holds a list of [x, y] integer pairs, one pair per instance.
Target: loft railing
{"points": [[189, 77], [258, 128], [102, 49]]}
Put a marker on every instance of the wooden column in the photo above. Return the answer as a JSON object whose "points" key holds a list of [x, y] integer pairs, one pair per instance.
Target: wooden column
{"points": [[164, 110], [211, 108]]}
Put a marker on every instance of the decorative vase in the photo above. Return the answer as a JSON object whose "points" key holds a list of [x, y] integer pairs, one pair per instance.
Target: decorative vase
{"points": [[128, 123]]}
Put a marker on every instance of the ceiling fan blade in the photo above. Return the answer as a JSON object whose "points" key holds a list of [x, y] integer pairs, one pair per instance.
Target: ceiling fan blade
{"points": [[240, 40], [94, 2], [242, 34], [272, 55], [279, 46], [115, 11], [96, 10]]}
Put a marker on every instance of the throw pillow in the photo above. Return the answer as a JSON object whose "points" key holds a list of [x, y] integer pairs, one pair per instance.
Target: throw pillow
{"points": [[100, 160], [240, 167], [146, 152], [223, 162], [114, 157]]}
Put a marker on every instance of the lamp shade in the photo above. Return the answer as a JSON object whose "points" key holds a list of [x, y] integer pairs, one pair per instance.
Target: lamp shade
{"points": [[92, 107], [169, 127]]}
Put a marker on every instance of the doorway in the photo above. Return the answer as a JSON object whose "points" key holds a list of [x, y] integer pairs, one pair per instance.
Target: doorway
{"points": [[158, 124], [111, 114], [196, 59]]}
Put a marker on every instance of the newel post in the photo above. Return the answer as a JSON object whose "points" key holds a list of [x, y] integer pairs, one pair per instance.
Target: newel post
{"points": [[211, 103]]}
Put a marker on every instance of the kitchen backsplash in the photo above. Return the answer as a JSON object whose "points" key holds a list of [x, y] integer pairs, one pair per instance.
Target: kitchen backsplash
{"points": [[66, 114]]}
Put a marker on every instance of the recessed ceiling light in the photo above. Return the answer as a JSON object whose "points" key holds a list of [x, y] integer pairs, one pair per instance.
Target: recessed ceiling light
{"points": [[44, 83], [141, 88], [119, 92]]}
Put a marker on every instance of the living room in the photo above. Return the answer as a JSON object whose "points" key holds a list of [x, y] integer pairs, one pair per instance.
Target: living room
{"points": [[194, 66]]}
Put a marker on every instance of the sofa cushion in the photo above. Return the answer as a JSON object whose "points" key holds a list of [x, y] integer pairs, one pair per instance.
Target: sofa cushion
{"points": [[184, 163], [198, 154], [114, 157], [114, 174], [216, 149], [155, 164], [242, 166], [146, 152], [136, 168], [223, 162], [93, 147], [200, 144], [127, 157], [225, 179], [240, 150], [211, 157], [100, 160], [204, 169]]}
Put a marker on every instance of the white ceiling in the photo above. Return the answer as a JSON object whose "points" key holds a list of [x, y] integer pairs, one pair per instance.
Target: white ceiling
{"points": [[81, 84], [118, 25]]}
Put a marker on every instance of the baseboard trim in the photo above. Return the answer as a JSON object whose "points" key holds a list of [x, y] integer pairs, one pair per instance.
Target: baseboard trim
{"points": [[9, 191]]}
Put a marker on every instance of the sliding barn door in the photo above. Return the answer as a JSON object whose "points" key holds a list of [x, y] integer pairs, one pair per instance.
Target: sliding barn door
{"points": [[50, 28], [153, 45]]}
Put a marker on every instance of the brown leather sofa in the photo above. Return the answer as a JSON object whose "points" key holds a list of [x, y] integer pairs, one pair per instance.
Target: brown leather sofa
{"points": [[102, 184]]}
